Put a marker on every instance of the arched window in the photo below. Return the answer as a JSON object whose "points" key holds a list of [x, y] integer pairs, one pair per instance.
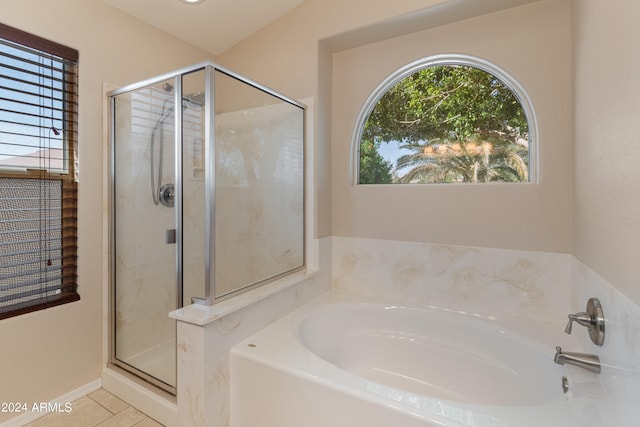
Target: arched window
{"points": [[446, 119]]}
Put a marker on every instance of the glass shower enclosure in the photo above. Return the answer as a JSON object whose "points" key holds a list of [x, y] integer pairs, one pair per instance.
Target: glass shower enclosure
{"points": [[207, 201]]}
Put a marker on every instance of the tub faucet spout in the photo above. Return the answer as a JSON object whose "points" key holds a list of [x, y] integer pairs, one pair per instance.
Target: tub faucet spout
{"points": [[590, 362]]}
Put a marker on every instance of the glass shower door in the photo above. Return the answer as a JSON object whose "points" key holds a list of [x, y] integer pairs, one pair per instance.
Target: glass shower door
{"points": [[144, 221], [201, 215]]}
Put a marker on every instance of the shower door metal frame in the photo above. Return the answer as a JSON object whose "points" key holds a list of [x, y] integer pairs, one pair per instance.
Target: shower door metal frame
{"points": [[209, 140], [177, 82], [210, 297]]}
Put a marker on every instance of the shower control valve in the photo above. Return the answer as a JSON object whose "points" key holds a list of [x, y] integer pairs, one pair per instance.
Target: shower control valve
{"points": [[593, 319], [167, 195]]}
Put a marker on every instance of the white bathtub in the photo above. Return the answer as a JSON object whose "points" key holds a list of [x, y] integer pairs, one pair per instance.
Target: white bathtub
{"points": [[346, 364]]}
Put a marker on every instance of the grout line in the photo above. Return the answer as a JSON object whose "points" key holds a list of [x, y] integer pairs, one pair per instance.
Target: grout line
{"points": [[141, 421], [113, 414], [102, 406], [109, 410]]}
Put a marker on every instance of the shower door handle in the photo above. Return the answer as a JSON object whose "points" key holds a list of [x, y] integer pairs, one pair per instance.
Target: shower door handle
{"points": [[170, 236]]}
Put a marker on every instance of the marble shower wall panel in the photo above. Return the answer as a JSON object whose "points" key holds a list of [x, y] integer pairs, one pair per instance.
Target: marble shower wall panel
{"points": [[620, 353], [145, 265], [259, 195], [518, 286]]}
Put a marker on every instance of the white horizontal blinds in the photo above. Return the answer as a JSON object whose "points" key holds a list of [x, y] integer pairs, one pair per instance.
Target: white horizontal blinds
{"points": [[38, 173]]}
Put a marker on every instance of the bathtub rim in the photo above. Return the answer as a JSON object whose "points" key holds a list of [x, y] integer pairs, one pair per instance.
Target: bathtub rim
{"points": [[275, 351]]}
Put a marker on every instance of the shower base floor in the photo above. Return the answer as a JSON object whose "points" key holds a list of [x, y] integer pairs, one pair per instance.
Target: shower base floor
{"points": [[158, 361]]}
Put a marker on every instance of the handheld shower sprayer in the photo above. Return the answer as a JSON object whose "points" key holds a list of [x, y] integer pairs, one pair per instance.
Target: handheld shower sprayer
{"points": [[165, 194]]}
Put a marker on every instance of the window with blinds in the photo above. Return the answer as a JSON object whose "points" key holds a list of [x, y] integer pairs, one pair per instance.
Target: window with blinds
{"points": [[38, 173]]}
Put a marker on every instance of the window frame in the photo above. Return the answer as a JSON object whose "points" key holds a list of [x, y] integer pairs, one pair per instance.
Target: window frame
{"points": [[68, 177], [442, 60]]}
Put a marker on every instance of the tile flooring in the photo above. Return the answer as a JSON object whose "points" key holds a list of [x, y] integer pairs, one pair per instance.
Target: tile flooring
{"points": [[98, 409]]}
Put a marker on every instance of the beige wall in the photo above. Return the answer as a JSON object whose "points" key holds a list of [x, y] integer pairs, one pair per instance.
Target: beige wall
{"points": [[49, 353], [532, 44], [302, 54], [594, 220], [288, 56], [607, 133], [284, 55]]}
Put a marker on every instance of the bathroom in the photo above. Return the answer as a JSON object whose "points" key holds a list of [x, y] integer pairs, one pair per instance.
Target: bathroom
{"points": [[575, 228]]}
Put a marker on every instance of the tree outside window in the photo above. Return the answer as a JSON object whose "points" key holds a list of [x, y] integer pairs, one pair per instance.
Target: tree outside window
{"points": [[450, 123]]}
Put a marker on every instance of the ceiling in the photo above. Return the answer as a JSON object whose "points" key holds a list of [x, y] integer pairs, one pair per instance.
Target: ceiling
{"points": [[214, 25]]}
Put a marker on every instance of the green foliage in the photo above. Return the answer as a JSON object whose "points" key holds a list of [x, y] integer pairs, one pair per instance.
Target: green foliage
{"points": [[457, 124], [373, 168]]}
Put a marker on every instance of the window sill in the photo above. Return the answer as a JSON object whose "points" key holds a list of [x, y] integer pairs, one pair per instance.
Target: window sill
{"points": [[54, 301]]}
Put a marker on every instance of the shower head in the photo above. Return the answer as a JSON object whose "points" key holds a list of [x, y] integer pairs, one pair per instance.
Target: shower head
{"points": [[196, 98]]}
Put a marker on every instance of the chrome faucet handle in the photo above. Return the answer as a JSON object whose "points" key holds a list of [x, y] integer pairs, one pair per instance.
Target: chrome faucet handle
{"points": [[582, 318], [593, 319]]}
